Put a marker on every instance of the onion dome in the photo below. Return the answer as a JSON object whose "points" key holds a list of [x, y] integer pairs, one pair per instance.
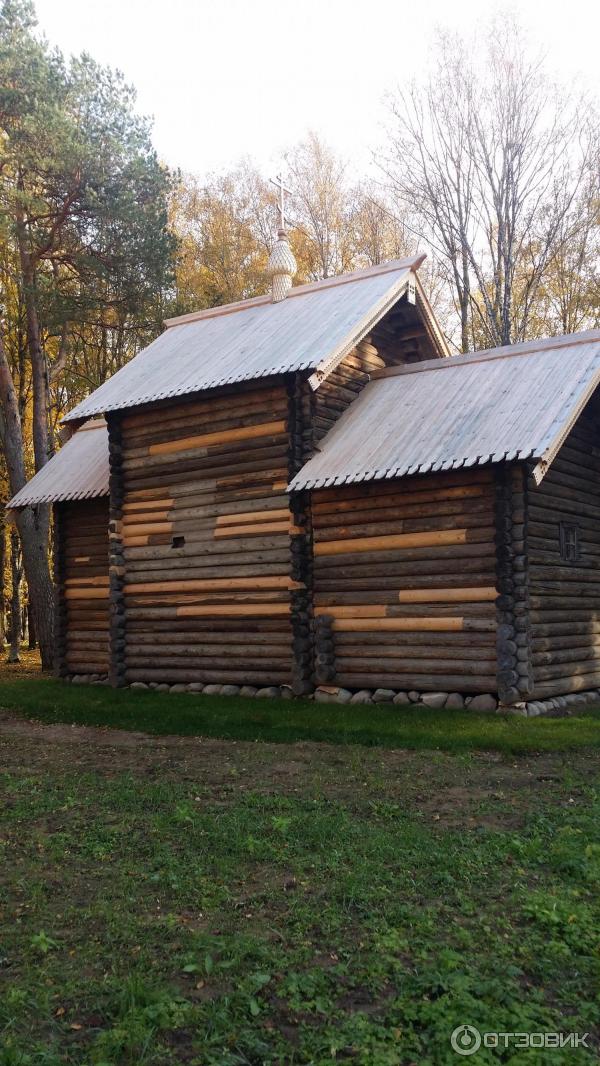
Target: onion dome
{"points": [[282, 266]]}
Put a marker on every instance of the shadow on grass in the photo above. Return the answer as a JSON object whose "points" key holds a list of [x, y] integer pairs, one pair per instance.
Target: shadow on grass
{"points": [[285, 721]]}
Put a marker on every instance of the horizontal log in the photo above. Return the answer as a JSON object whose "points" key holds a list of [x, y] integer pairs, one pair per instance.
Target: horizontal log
{"points": [[237, 434], [558, 629], [560, 686], [258, 609], [456, 682], [480, 505], [477, 475], [414, 624], [213, 663], [414, 525], [145, 571], [392, 596], [566, 655], [230, 404], [213, 584], [400, 664], [383, 543], [172, 675], [167, 432], [334, 506], [428, 641], [247, 651], [86, 594]]}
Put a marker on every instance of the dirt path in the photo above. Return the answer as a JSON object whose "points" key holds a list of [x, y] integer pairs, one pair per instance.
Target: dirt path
{"points": [[351, 774]]}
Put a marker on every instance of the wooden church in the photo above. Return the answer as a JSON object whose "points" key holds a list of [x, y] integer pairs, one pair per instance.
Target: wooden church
{"points": [[304, 489]]}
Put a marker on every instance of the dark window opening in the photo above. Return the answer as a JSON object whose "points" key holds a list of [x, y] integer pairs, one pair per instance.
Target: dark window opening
{"points": [[178, 542], [570, 551]]}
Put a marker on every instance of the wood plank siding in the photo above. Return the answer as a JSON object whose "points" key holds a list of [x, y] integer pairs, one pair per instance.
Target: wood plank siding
{"points": [[205, 531], [405, 583], [564, 566], [83, 588]]}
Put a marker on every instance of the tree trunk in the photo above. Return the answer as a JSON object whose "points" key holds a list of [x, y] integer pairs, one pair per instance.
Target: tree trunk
{"points": [[32, 522], [39, 377], [32, 642], [2, 586], [16, 573]]}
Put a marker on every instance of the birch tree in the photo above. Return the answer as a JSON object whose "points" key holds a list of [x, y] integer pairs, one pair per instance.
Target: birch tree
{"points": [[489, 159]]}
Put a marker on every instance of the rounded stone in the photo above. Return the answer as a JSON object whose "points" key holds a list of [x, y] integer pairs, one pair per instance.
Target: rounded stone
{"points": [[455, 702], [162, 687], [177, 688], [414, 696], [324, 695], [270, 692], [212, 690], [400, 699], [248, 690], [483, 703], [230, 690], [138, 685], [195, 686], [383, 695], [434, 699], [286, 692], [362, 696]]}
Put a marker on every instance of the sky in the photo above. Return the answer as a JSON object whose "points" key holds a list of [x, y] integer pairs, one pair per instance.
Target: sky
{"points": [[229, 78]]}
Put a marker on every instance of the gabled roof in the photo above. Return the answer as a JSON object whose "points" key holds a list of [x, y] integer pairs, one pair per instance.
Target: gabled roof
{"points": [[79, 471], [509, 403], [313, 329]]}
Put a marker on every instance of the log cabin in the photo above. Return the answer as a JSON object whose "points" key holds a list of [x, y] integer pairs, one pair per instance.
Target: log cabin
{"points": [[304, 490]]}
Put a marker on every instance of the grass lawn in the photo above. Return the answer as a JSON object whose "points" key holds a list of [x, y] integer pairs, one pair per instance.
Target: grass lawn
{"points": [[286, 721], [186, 899]]}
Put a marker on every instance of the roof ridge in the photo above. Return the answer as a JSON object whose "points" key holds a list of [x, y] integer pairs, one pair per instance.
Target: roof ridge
{"points": [[564, 340], [391, 266]]}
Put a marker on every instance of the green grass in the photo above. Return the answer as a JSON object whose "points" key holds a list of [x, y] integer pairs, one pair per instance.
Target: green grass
{"points": [[226, 904], [285, 721]]}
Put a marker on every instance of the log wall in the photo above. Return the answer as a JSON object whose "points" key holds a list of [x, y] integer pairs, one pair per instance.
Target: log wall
{"points": [[342, 386], [82, 573], [405, 583], [565, 596], [206, 532]]}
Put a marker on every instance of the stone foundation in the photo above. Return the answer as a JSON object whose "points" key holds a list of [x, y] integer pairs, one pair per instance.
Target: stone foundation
{"points": [[555, 707]]}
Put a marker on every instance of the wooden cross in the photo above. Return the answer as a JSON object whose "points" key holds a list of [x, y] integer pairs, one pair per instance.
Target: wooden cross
{"points": [[283, 189]]}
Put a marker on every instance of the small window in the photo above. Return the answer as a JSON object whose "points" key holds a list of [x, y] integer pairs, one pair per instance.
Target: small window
{"points": [[178, 542], [570, 551]]}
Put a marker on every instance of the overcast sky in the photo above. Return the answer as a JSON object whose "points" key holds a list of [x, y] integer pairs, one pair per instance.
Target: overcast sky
{"points": [[226, 78]]}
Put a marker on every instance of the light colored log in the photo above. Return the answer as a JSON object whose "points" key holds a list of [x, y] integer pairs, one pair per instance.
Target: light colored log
{"points": [[449, 595], [257, 529], [220, 437], [86, 594], [241, 518], [390, 542]]}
